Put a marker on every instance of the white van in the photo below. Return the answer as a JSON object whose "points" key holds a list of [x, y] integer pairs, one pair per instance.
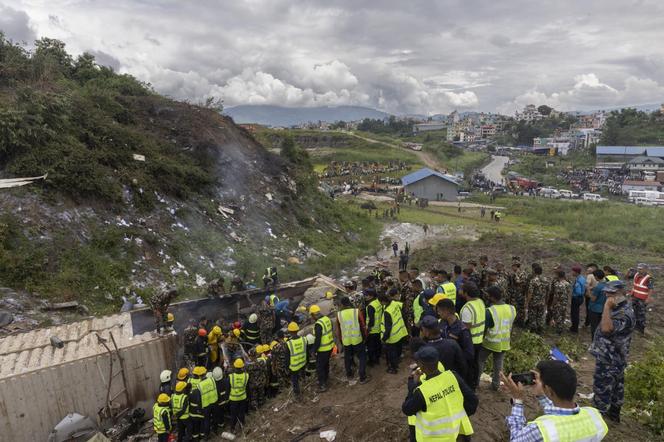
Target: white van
{"points": [[593, 197], [567, 194], [548, 192]]}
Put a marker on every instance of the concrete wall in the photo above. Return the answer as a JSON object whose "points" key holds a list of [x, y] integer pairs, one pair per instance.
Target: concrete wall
{"points": [[31, 404], [431, 188]]}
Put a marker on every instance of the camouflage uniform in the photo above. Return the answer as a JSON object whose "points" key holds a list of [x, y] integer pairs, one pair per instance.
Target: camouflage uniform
{"points": [[562, 292], [407, 297], [159, 303], [611, 353], [502, 281], [233, 348], [357, 299], [216, 288], [280, 361], [517, 290], [538, 287], [189, 336], [258, 375], [266, 322]]}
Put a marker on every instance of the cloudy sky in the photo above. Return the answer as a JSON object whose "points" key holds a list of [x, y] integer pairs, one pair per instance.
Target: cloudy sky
{"points": [[416, 56]]}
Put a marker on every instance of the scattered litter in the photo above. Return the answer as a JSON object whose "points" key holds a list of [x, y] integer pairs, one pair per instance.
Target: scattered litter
{"points": [[57, 342], [225, 211], [353, 382], [586, 396], [293, 261], [62, 305], [485, 377], [268, 196], [138, 157], [295, 429], [200, 281], [269, 231], [6, 318], [228, 436], [236, 237], [328, 435]]}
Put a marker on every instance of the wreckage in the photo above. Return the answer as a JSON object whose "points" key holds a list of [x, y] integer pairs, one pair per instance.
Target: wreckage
{"points": [[102, 369]]}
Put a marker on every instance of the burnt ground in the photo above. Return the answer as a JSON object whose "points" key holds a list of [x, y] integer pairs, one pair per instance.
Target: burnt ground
{"points": [[372, 412]]}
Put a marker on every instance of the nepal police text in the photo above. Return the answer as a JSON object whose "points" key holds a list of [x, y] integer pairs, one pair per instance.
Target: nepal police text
{"points": [[441, 394]]}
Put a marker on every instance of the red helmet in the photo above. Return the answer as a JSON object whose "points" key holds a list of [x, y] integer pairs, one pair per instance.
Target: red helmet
{"points": [[202, 332], [237, 324]]}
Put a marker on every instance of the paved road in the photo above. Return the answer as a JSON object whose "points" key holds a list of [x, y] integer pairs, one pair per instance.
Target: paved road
{"points": [[493, 170]]}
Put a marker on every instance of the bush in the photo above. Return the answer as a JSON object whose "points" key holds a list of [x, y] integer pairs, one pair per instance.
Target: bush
{"points": [[527, 350], [644, 395]]}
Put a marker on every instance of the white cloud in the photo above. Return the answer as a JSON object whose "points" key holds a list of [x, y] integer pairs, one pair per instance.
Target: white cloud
{"points": [[15, 24], [466, 99]]}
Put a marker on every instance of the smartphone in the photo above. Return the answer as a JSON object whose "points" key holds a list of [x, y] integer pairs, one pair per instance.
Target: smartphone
{"points": [[524, 378]]}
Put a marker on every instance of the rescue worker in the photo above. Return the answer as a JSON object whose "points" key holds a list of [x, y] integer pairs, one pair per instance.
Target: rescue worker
{"points": [[374, 318], [536, 300], [352, 333], [310, 368], [417, 307], [196, 414], [219, 409], [257, 371], [642, 291], [165, 379], [561, 292], [393, 331], [563, 419], [237, 393], [273, 376], [180, 407], [189, 335], [216, 288], [502, 281], [209, 399], [484, 272], [518, 286], [499, 320], [446, 286], [213, 339], [201, 348], [161, 417], [251, 333], [473, 315], [610, 347], [183, 375], [266, 321], [297, 354], [159, 303], [323, 345], [441, 404], [170, 319], [270, 278]]}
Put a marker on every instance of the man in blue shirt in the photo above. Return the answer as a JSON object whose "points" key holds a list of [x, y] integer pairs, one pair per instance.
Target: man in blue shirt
{"points": [[578, 296], [596, 298]]}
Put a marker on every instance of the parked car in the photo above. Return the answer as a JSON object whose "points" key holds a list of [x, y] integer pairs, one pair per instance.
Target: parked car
{"points": [[593, 197], [568, 194], [548, 192]]}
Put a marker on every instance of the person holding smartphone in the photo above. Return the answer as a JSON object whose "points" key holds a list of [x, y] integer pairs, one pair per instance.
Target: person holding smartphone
{"points": [[554, 386]]}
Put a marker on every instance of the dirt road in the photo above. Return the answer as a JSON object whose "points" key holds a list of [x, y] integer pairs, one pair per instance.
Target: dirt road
{"points": [[425, 157], [493, 170]]}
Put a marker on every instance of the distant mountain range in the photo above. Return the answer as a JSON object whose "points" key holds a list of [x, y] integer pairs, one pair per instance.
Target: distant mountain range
{"points": [[290, 116]]}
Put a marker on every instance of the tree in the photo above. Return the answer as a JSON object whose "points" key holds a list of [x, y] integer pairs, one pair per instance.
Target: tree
{"points": [[544, 110]]}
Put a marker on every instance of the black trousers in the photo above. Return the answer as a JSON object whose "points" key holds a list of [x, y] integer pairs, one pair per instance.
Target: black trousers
{"points": [[218, 412], [587, 322], [373, 348], [163, 437], [577, 302], [207, 420], [295, 380], [359, 350], [237, 411], [184, 430], [196, 427], [323, 367], [474, 370], [393, 353], [594, 318]]}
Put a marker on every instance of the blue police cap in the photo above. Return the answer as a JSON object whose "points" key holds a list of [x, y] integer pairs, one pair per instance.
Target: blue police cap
{"points": [[427, 354]]}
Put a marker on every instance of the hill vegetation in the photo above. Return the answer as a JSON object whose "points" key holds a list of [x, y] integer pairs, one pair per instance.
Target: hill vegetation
{"points": [[629, 127]]}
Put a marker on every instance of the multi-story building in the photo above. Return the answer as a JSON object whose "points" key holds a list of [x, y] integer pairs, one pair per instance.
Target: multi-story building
{"points": [[529, 113], [488, 130], [427, 127]]}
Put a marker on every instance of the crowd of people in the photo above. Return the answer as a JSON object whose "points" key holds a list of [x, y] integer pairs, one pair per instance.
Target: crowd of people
{"points": [[452, 322]]}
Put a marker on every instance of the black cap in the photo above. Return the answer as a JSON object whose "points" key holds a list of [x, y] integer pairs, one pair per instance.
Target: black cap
{"points": [[429, 322], [428, 293], [427, 354]]}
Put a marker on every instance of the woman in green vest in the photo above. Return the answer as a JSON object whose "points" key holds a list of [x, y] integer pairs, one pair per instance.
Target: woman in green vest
{"points": [[394, 331]]}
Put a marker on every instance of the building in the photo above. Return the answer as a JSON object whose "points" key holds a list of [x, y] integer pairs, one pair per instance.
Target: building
{"points": [[628, 185], [640, 165], [529, 113], [427, 127], [432, 185], [488, 130], [615, 157]]}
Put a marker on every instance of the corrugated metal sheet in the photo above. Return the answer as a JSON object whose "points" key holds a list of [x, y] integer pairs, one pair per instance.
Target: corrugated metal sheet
{"points": [[655, 151], [620, 150], [424, 173], [25, 352]]}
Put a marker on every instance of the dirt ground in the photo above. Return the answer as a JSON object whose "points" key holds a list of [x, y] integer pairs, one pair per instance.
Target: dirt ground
{"points": [[372, 412]]}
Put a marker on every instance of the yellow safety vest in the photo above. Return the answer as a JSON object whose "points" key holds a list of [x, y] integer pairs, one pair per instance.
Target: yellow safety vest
{"points": [[610, 278], [238, 386], [273, 300], [298, 353], [445, 417], [378, 316], [350, 326], [326, 339], [157, 418], [194, 382], [586, 426], [417, 308], [398, 331], [423, 377], [497, 338], [208, 390], [177, 400], [450, 291], [478, 313]]}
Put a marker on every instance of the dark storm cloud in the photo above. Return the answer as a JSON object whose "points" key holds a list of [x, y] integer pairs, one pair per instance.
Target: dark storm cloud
{"points": [[15, 24]]}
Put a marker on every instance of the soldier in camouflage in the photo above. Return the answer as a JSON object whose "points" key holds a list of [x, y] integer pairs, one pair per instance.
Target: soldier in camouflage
{"points": [[159, 303], [258, 380], [266, 321], [484, 272], [502, 279], [517, 289], [280, 362], [189, 336], [610, 348], [538, 287], [216, 288], [560, 300]]}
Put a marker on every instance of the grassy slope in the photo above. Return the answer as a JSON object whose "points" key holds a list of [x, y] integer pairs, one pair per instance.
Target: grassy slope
{"points": [[534, 166]]}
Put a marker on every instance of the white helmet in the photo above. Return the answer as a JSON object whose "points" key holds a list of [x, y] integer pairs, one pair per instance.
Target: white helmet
{"points": [[310, 339], [165, 376], [253, 318], [217, 373]]}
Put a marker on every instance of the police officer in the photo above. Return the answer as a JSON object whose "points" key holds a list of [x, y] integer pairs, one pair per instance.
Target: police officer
{"points": [[180, 407], [473, 315], [297, 354], [209, 399], [236, 384], [219, 409], [352, 333], [642, 291], [393, 331], [323, 345], [196, 413], [251, 333], [611, 348], [374, 318], [161, 417], [442, 403]]}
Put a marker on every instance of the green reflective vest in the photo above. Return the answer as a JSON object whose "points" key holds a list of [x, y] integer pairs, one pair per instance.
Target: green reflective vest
{"points": [[326, 339], [177, 402], [478, 316], [297, 348], [398, 331], [445, 417], [610, 278], [194, 382], [274, 299], [208, 389], [417, 308], [378, 316], [450, 291], [238, 386], [351, 334], [423, 377], [497, 338], [586, 426], [158, 418]]}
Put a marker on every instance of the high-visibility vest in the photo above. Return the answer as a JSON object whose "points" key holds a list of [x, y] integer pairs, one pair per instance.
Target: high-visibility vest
{"points": [[350, 326], [326, 339], [238, 386], [378, 316], [194, 382], [423, 377], [445, 417], [158, 418], [587, 426], [274, 299], [497, 338], [450, 291], [417, 308], [177, 401], [610, 278], [640, 289], [398, 331], [478, 316], [269, 273], [208, 390], [251, 332], [298, 353]]}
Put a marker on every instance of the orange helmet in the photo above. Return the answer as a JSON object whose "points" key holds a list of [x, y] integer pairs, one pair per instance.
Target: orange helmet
{"points": [[202, 332]]}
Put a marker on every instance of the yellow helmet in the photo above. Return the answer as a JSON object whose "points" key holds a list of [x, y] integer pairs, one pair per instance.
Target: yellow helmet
{"points": [[293, 327], [170, 317], [329, 295], [182, 374], [200, 371], [216, 330], [302, 309], [314, 309], [163, 398], [436, 299], [236, 332], [180, 386], [273, 344], [239, 363]]}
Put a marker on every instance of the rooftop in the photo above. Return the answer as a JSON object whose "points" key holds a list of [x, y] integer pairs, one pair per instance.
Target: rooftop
{"points": [[425, 173], [640, 183], [644, 159]]}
